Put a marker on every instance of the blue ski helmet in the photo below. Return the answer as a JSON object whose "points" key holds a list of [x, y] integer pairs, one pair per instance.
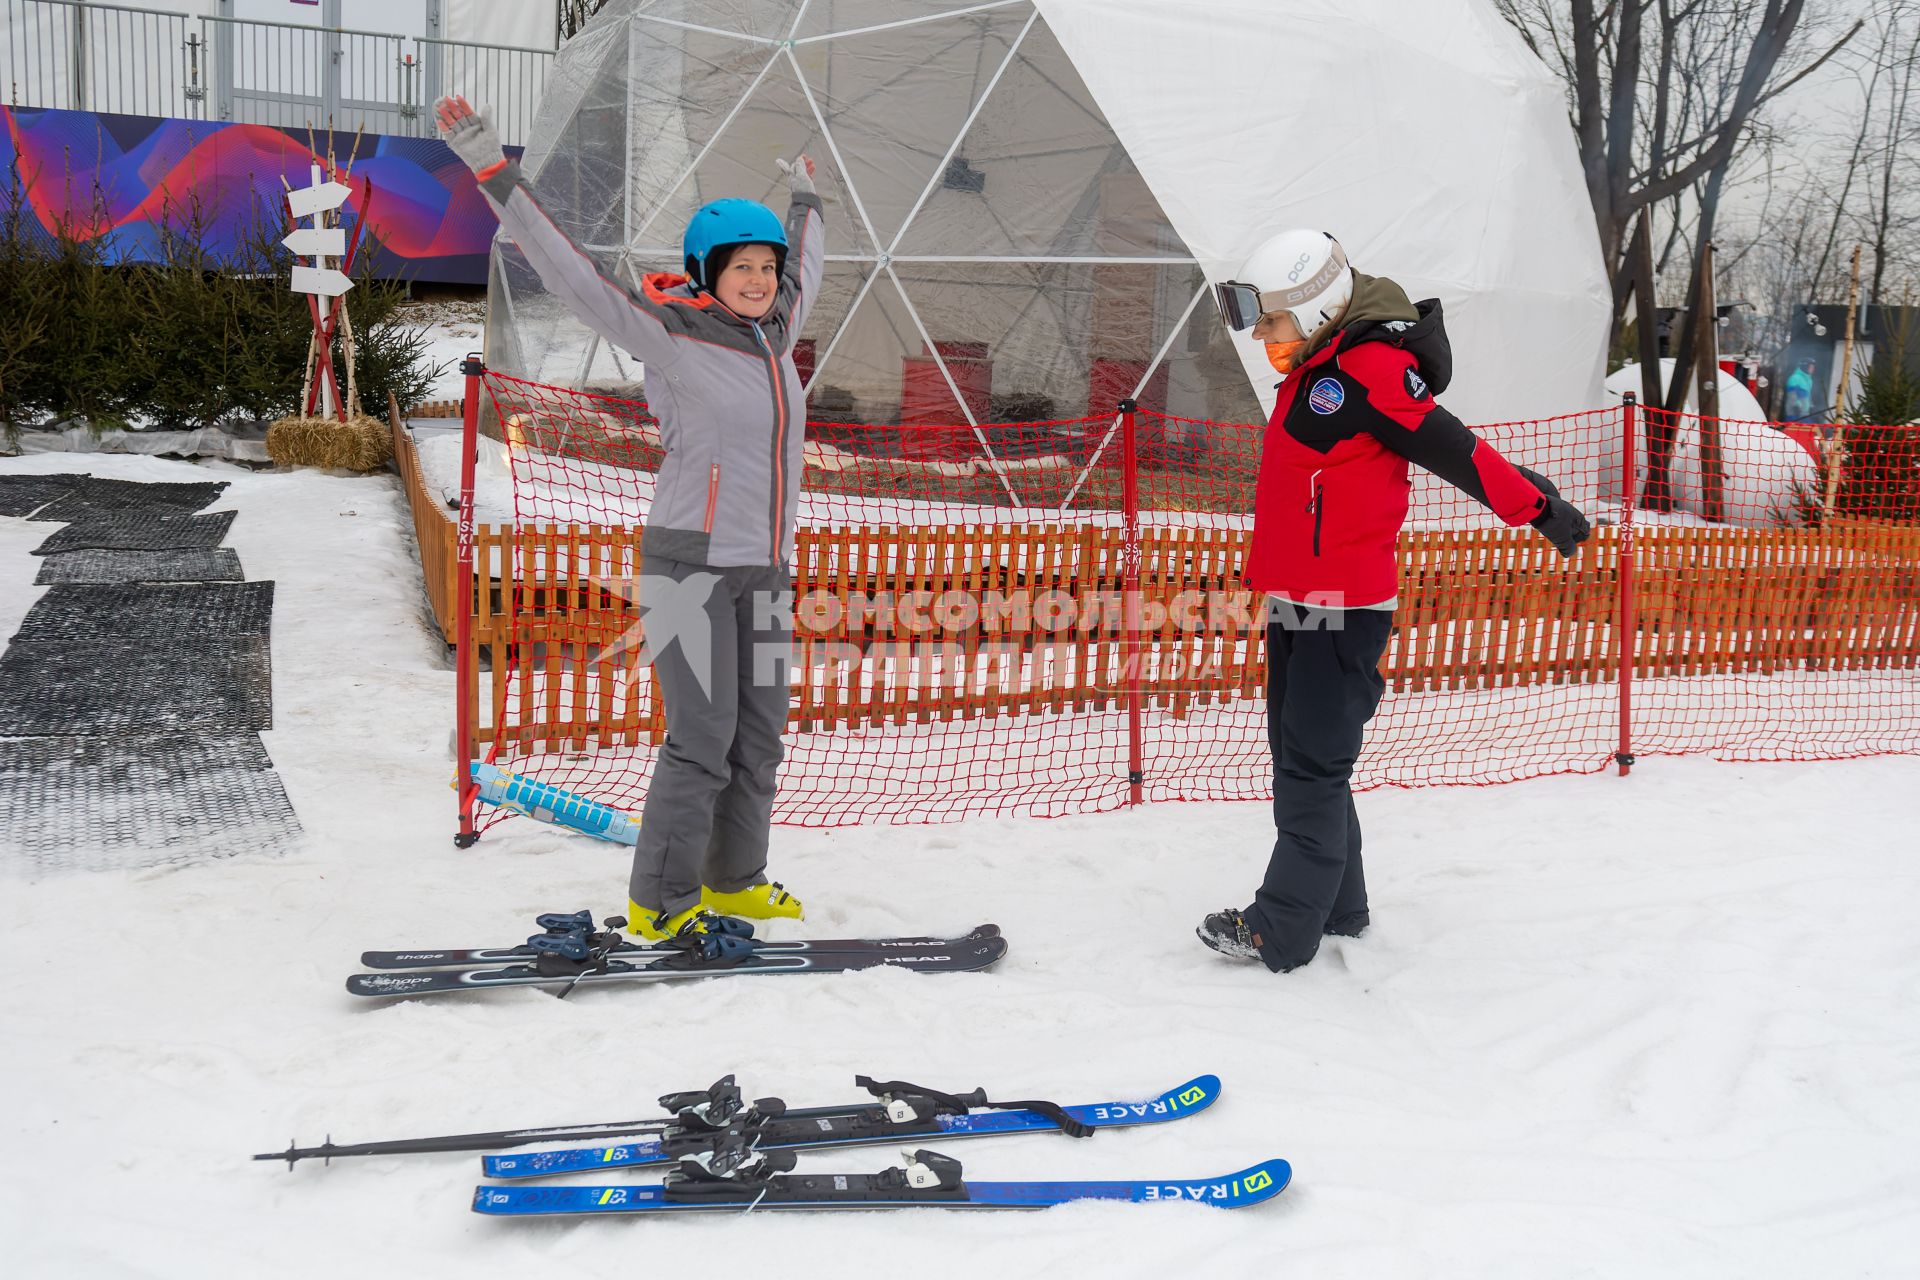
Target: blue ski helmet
{"points": [[729, 222]]}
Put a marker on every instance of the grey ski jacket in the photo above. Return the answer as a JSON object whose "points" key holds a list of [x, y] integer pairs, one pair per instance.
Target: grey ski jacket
{"points": [[724, 388]]}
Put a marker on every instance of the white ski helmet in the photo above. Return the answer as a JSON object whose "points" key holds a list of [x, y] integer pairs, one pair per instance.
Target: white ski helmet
{"points": [[1303, 273]]}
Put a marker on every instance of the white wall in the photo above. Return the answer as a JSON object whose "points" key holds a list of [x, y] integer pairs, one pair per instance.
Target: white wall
{"points": [[135, 61], [528, 23], [400, 17], [302, 15], [198, 8]]}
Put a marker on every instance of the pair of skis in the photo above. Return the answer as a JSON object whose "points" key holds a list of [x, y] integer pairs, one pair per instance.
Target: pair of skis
{"points": [[728, 1155], [927, 1179], [572, 952]]}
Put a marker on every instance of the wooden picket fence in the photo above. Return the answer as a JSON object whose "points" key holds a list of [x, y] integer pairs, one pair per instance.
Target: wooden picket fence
{"points": [[1478, 609]]}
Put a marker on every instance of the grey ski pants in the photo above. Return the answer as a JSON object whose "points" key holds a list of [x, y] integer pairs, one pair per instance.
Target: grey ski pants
{"points": [[725, 690]]}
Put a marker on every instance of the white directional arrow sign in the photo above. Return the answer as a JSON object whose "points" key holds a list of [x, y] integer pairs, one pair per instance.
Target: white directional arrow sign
{"points": [[324, 281], [313, 242], [307, 201]]}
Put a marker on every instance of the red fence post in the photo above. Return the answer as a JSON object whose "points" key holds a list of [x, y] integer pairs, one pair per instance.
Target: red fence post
{"points": [[1130, 597], [464, 603], [1629, 641]]}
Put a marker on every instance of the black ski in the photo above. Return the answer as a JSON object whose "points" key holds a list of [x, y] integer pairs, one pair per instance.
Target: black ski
{"points": [[621, 948], [699, 1118], [958, 956], [905, 1114]]}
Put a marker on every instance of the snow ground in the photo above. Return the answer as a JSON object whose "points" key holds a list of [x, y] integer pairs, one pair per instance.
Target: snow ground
{"points": [[454, 327], [1660, 1026]]}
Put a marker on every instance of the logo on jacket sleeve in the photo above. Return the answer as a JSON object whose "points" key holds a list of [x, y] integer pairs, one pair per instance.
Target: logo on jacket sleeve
{"points": [[1327, 396], [1416, 385]]}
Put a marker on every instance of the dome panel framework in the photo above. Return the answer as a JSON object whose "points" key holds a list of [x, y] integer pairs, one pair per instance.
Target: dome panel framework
{"points": [[992, 246]]}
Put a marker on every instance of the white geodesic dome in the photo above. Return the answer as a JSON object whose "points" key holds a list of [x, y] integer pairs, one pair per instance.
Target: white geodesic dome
{"points": [[1765, 474], [1028, 199]]}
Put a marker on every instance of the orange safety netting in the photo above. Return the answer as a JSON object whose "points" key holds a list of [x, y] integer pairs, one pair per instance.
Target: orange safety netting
{"points": [[1047, 618]]}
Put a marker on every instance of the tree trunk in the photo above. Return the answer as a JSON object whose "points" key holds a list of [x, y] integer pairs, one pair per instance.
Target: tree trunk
{"points": [[1676, 398], [1645, 303], [1707, 378], [1662, 417]]}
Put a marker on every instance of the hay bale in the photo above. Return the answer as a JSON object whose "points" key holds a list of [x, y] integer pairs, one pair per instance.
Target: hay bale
{"points": [[360, 444]]}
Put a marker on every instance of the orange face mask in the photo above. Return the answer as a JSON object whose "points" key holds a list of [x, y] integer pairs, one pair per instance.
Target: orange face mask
{"points": [[1281, 355]]}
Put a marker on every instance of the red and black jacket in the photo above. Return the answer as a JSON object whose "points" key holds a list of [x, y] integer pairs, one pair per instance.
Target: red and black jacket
{"points": [[1333, 485]]}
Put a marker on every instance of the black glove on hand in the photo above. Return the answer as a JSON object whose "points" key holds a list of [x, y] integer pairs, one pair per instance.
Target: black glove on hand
{"points": [[1560, 522], [1538, 481], [1563, 525]]}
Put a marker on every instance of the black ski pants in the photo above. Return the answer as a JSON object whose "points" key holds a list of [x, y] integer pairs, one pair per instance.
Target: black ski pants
{"points": [[1323, 685]]}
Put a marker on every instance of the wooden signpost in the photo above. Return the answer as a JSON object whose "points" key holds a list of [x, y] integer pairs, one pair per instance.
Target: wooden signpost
{"points": [[326, 242]]}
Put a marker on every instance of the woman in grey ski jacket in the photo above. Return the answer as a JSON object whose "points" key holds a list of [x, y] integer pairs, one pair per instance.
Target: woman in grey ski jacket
{"points": [[716, 554]]}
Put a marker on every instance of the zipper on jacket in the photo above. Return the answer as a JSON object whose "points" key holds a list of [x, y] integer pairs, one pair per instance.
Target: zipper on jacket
{"points": [[779, 442], [713, 497], [1317, 505]]}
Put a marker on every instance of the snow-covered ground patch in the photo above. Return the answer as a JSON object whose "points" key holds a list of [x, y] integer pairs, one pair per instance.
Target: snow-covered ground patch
{"points": [[454, 326], [1660, 1026]]}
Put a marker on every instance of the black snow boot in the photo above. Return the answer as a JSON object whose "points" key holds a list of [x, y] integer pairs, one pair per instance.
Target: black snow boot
{"points": [[1229, 933]]}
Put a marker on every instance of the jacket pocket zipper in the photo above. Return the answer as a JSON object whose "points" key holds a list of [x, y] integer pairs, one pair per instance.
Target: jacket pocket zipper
{"points": [[713, 497], [777, 496], [1318, 506]]}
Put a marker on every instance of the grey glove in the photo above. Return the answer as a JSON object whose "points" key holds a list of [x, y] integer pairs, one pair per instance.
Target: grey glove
{"points": [[799, 173], [470, 136]]}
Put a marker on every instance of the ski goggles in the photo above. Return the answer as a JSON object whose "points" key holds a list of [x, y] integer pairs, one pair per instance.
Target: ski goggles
{"points": [[1239, 304], [1242, 306]]}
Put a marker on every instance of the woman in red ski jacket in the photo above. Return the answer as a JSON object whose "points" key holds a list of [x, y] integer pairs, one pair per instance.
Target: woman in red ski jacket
{"points": [[1361, 366]]}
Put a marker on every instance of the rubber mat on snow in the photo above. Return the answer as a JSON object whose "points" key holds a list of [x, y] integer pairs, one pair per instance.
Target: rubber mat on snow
{"points": [[110, 567], [144, 658], [105, 804]]}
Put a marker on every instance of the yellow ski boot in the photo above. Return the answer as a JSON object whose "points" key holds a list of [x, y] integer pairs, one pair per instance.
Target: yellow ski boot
{"points": [[769, 901], [657, 926]]}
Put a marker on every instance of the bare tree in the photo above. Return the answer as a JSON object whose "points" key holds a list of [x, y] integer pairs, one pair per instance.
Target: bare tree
{"points": [[1890, 118], [1852, 177], [1664, 95], [574, 15]]}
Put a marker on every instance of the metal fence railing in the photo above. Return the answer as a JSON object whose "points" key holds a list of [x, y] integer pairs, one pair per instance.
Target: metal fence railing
{"points": [[96, 57], [83, 56], [507, 79]]}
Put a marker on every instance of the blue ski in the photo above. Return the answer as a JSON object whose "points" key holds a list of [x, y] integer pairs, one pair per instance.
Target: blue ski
{"points": [[868, 1126], [929, 1180]]}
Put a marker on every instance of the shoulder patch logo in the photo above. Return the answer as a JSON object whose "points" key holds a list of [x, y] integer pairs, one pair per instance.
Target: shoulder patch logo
{"points": [[1416, 385], [1327, 396], [1398, 326]]}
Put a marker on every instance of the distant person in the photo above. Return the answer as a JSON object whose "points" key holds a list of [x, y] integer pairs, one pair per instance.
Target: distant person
{"points": [[1799, 402], [718, 347], [1360, 366]]}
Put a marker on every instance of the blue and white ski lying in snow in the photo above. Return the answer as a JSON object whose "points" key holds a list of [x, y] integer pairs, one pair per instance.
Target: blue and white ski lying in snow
{"points": [[929, 1180], [872, 1125]]}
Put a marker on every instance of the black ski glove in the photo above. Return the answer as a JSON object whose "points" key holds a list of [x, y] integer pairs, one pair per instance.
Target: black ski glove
{"points": [[1559, 522]]}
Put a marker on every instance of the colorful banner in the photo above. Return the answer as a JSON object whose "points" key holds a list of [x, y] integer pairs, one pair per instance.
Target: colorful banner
{"points": [[428, 219]]}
